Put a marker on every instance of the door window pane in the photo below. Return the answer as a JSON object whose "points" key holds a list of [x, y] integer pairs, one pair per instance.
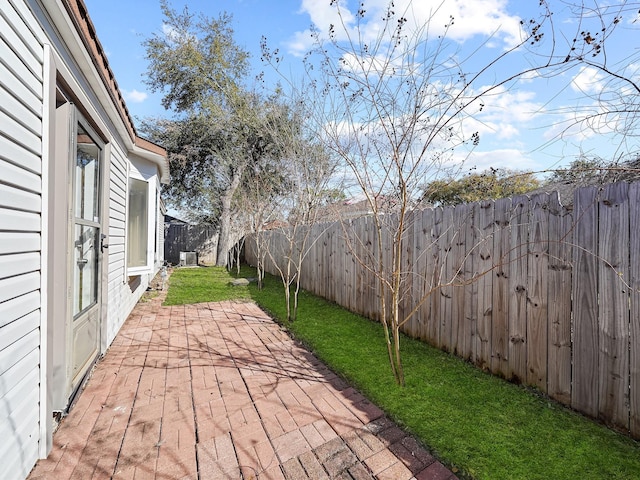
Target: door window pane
{"points": [[138, 239], [85, 269], [87, 176]]}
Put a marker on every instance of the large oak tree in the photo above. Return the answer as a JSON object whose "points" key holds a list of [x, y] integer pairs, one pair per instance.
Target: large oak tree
{"points": [[217, 133]]}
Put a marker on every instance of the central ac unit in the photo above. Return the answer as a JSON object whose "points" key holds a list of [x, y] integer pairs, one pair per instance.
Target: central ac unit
{"points": [[188, 259]]}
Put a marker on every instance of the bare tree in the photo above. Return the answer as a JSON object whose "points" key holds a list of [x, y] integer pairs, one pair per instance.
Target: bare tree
{"points": [[396, 107], [611, 78], [311, 172], [262, 203]]}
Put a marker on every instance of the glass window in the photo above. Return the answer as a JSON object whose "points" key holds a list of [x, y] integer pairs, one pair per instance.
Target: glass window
{"points": [[85, 283], [87, 178], [86, 172], [138, 234]]}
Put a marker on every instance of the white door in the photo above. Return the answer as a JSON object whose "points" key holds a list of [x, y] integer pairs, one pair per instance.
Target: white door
{"points": [[85, 255]]}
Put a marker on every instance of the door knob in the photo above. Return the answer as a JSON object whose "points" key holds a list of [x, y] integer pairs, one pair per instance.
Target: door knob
{"points": [[102, 244]]}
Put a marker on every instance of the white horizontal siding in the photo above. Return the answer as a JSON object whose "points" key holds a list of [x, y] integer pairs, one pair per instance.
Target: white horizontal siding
{"points": [[11, 152], [17, 330], [15, 175], [19, 307], [19, 199], [19, 242], [20, 466], [8, 428], [119, 204], [116, 265], [18, 446], [14, 287], [18, 350], [19, 134], [117, 215], [20, 71], [19, 449], [116, 227], [21, 74], [22, 40], [119, 292], [21, 111], [25, 367], [119, 176], [22, 92], [160, 228], [116, 249], [18, 264], [12, 220], [117, 241], [115, 277], [11, 401]]}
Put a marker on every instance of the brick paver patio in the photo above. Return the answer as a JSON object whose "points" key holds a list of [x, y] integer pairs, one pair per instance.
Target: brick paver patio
{"points": [[219, 391]]}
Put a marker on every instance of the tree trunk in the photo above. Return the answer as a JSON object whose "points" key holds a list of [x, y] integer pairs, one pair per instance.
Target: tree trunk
{"points": [[225, 217]]}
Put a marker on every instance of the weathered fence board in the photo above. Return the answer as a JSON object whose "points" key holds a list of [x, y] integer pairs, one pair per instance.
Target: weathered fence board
{"points": [[427, 262], [518, 261], [537, 318], [500, 295], [482, 355], [524, 287], [415, 269], [446, 292], [584, 392], [458, 254], [470, 327], [408, 277], [433, 329], [613, 312], [559, 293], [634, 325]]}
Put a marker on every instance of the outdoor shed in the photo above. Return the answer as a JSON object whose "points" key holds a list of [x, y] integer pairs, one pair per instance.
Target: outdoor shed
{"points": [[81, 219]]}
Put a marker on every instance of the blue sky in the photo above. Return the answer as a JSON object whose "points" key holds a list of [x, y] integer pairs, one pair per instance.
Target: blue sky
{"points": [[516, 128]]}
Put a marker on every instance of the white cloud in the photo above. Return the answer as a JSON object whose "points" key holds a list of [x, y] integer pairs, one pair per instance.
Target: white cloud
{"points": [[169, 32], [577, 124], [503, 116], [511, 106], [173, 34], [588, 80], [529, 76], [134, 96], [470, 18], [500, 158]]}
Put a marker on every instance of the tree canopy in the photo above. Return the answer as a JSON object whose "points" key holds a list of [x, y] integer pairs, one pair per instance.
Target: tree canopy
{"points": [[491, 184], [591, 170], [196, 62], [222, 132]]}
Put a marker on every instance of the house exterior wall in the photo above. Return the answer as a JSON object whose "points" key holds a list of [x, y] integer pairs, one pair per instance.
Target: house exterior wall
{"points": [[41, 45], [21, 118]]}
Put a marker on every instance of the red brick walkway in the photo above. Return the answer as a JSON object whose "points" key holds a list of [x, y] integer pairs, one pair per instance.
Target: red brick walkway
{"points": [[219, 391]]}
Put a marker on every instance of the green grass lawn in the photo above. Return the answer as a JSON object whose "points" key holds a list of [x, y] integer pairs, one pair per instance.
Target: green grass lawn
{"points": [[480, 425]]}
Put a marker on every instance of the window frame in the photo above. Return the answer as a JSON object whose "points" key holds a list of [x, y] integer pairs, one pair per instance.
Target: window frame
{"points": [[138, 170]]}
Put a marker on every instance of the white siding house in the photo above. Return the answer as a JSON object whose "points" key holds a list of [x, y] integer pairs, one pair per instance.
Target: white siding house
{"points": [[80, 217]]}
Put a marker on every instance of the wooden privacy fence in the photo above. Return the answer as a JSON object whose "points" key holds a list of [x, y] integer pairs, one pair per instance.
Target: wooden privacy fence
{"points": [[523, 287], [182, 237]]}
